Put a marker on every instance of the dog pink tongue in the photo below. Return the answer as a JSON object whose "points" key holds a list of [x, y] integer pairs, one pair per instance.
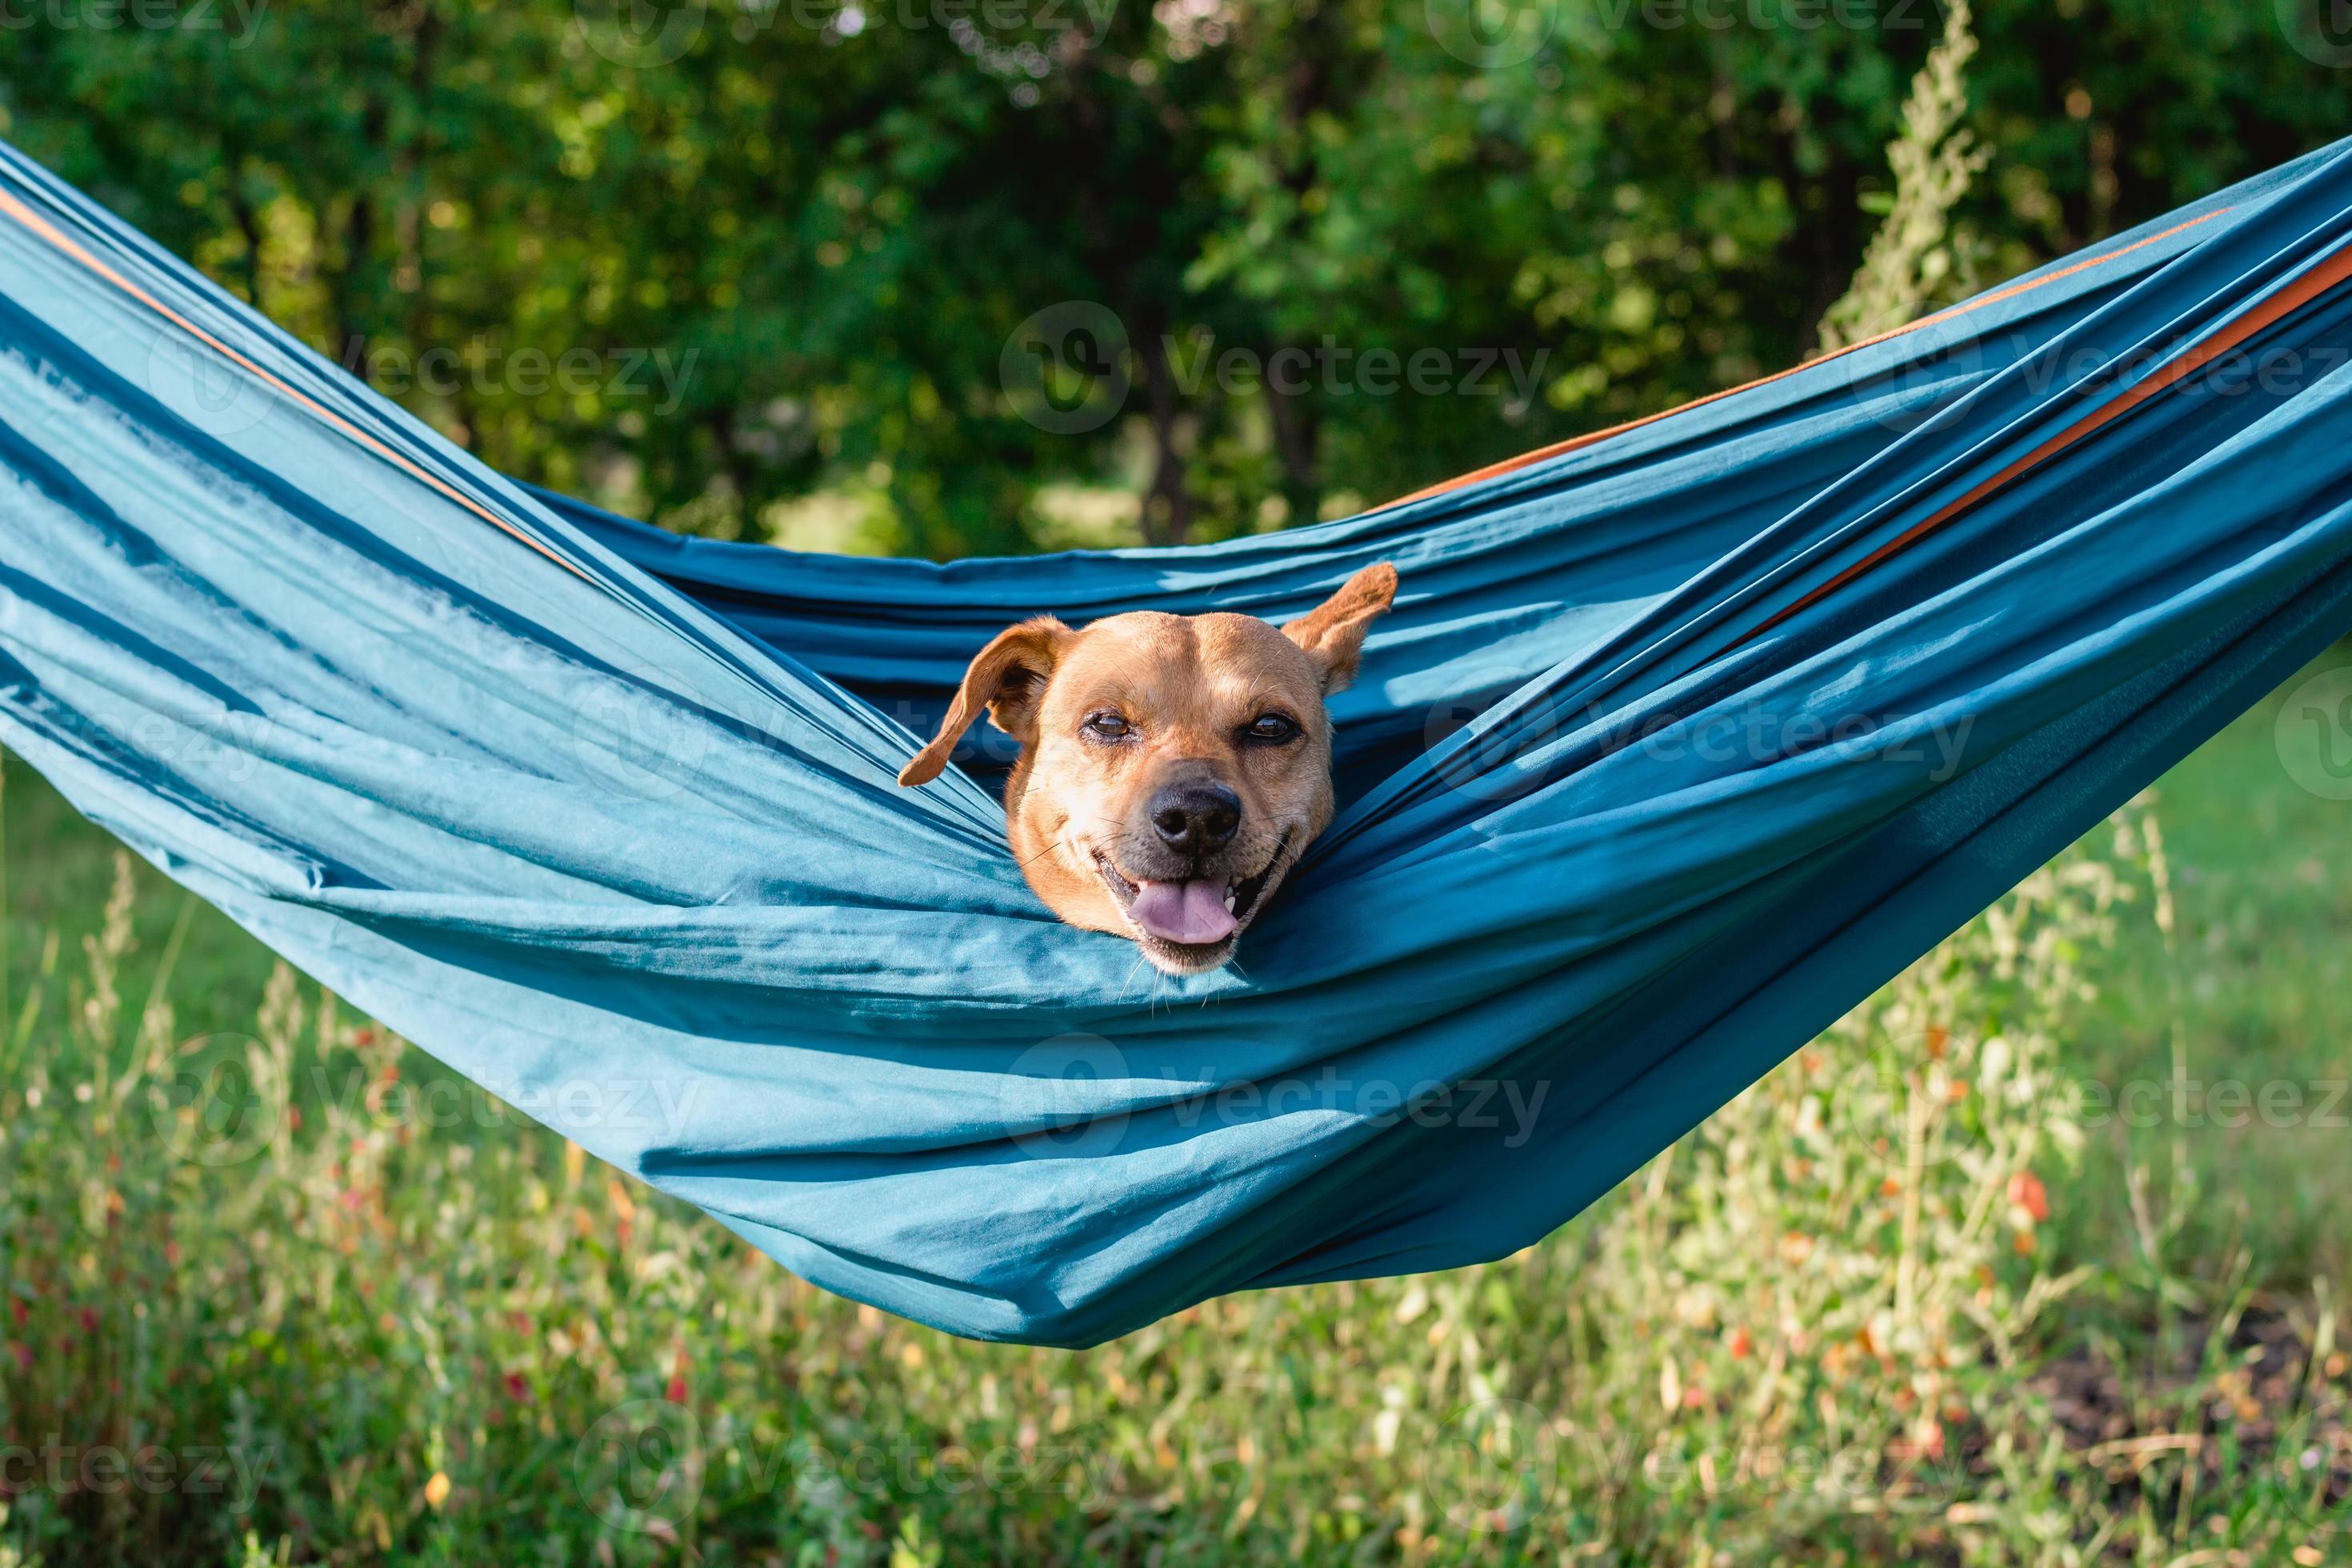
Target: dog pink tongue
{"points": [[1189, 913]]}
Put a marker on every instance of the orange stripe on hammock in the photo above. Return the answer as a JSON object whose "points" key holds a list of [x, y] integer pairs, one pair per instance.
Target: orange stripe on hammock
{"points": [[2327, 275], [41, 228], [1593, 438]]}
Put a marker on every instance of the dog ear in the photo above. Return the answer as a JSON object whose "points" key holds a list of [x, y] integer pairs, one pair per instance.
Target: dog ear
{"points": [[1007, 677], [1332, 632]]}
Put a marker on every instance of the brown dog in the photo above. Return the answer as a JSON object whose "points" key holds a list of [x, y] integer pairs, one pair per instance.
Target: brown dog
{"points": [[1171, 767]]}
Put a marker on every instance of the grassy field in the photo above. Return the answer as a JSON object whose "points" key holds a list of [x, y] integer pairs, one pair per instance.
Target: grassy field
{"points": [[2038, 1258]]}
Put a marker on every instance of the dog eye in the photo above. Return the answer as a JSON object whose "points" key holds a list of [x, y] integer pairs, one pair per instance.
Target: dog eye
{"points": [[1107, 727], [1273, 727]]}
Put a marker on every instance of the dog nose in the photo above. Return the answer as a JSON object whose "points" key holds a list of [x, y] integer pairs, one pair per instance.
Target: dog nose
{"points": [[1193, 818]]}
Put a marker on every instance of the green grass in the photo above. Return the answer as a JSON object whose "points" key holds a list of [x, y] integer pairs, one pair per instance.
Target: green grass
{"points": [[2256, 988], [402, 1326]]}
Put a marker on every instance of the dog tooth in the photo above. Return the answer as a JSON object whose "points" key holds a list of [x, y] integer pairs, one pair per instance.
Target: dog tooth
{"points": [[1229, 899]]}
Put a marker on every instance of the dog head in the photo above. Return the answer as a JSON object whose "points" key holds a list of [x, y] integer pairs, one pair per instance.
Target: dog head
{"points": [[1172, 768]]}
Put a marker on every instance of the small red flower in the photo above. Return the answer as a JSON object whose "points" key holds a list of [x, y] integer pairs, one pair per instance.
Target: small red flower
{"points": [[518, 1386], [18, 1311], [1742, 1344], [2026, 1192], [88, 1320], [23, 1353]]}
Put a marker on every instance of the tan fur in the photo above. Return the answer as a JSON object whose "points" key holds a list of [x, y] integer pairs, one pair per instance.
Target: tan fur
{"points": [[1190, 688]]}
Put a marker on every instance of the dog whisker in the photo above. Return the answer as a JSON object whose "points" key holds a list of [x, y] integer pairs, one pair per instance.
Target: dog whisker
{"points": [[1129, 978], [1041, 854]]}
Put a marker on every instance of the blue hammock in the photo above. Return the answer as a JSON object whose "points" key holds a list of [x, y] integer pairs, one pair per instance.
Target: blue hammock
{"points": [[1678, 745]]}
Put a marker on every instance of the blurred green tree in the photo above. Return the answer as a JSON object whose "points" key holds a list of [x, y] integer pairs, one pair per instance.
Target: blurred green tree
{"points": [[958, 276]]}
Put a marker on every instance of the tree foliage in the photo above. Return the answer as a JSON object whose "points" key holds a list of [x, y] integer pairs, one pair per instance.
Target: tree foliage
{"points": [[951, 276]]}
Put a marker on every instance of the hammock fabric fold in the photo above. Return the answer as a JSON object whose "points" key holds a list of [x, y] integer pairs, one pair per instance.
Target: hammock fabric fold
{"points": [[1679, 742]]}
